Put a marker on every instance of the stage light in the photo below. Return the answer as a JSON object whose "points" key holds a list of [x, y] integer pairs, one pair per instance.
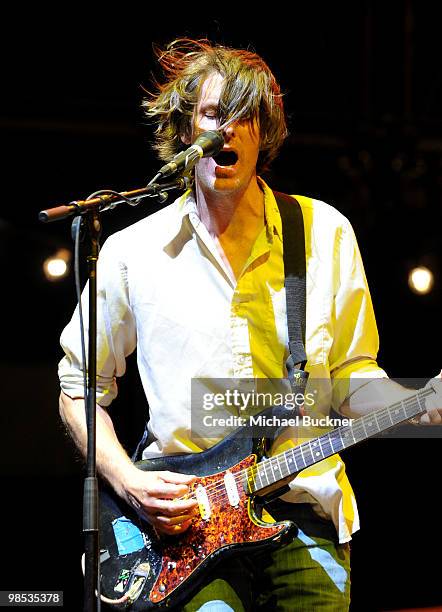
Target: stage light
{"points": [[57, 267], [421, 280]]}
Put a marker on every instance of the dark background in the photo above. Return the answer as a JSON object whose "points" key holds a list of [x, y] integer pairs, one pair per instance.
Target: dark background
{"points": [[363, 91]]}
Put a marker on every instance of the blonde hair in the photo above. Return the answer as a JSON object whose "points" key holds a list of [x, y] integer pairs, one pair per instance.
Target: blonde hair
{"points": [[249, 92]]}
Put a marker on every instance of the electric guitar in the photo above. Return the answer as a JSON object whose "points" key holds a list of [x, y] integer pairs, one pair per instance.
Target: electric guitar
{"points": [[143, 570]]}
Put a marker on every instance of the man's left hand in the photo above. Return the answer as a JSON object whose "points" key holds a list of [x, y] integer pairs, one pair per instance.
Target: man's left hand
{"points": [[433, 403]]}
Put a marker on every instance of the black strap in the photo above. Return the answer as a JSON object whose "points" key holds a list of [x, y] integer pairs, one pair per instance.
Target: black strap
{"points": [[294, 281]]}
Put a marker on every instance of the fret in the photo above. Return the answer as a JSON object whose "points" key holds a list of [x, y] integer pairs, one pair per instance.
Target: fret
{"points": [[263, 466], [326, 445], [388, 412], [410, 407], [300, 451], [282, 466], [347, 436], [317, 450], [421, 408], [276, 468], [336, 440], [377, 421], [358, 430], [258, 474], [370, 425], [307, 454], [397, 413], [248, 480], [383, 418], [292, 461], [420, 400], [271, 467], [286, 462]]}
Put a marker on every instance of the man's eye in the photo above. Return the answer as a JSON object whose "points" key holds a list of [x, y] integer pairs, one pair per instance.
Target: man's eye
{"points": [[210, 115]]}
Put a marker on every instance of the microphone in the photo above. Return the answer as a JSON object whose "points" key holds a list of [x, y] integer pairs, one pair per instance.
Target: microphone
{"points": [[206, 145]]}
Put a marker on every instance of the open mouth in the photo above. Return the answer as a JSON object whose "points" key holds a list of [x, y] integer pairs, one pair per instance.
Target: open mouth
{"points": [[226, 158]]}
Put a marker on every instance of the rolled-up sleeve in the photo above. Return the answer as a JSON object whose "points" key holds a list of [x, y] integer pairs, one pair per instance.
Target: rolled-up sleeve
{"points": [[355, 344], [116, 330]]}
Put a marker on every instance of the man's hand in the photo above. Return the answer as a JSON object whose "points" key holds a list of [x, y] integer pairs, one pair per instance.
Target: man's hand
{"points": [[161, 498], [433, 403]]}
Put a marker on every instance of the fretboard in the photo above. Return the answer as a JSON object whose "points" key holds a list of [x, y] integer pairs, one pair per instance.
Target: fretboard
{"points": [[290, 462]]}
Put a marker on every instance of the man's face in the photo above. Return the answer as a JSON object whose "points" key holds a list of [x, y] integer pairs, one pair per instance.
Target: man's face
{"points": [[235, 166]]}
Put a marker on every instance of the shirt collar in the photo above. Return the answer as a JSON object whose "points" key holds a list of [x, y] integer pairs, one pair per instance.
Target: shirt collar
{"points": [[271, 212], [186, 206]]}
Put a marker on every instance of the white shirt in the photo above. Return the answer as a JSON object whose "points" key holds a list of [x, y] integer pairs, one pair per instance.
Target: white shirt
{"points": [[164, 289]]}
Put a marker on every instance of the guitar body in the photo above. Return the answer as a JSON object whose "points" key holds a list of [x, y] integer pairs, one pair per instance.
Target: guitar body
{"points": [[175, 565]]}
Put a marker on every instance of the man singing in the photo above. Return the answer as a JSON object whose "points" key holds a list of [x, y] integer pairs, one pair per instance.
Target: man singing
{"points": [[198, 289]]}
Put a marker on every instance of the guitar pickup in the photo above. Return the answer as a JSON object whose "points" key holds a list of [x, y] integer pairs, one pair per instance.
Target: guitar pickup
{"points": [[203, 502], [231, 489]]}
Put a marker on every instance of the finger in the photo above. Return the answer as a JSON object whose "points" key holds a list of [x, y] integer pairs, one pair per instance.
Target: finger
{"points": [[174, 520], [168, 508], [430, 417], [172, 529], [434, 409], [167, 524], [176, 478], [434, 416], [165, 490], [424, 419]]}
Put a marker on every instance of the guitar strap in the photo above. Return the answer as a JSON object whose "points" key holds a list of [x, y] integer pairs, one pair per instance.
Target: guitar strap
{"points": [[293, 239]]}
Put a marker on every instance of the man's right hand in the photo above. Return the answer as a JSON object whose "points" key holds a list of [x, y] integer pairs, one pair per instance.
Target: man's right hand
{"points": [[161, 498]]}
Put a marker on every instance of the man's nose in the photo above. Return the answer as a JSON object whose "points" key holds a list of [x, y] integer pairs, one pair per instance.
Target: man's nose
{"points": [[229, 131]]}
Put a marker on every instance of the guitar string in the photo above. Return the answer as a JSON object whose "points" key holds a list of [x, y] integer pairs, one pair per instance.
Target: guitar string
{"points": [[219, 487], [213, 489], [274, 462], [217, 491]]}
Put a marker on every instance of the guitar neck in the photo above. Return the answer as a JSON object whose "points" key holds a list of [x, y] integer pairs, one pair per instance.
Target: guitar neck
{"points": [[290, 462]]}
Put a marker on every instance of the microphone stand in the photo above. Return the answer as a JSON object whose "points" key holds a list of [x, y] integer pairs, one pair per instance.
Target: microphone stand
{"points": [[90, 490], [90, 209], [107, 199]]}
